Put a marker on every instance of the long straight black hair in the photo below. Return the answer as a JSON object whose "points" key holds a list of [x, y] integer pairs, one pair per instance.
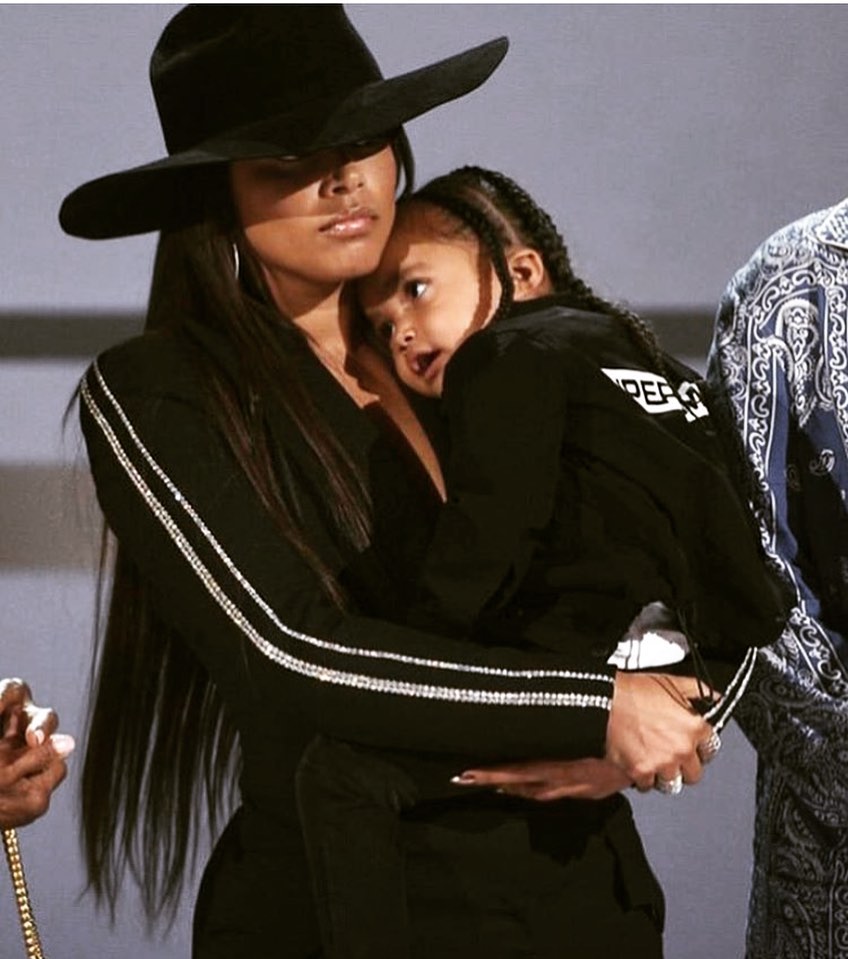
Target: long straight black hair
{"points": [[161, 745]]}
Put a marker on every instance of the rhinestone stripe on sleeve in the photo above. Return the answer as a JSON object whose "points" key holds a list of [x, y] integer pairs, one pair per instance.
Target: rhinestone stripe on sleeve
{"points": [[316, 671], [236, 573]]}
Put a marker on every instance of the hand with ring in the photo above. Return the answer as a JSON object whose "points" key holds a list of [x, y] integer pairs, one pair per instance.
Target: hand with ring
{"points": [[654, 734], [706, 750]]}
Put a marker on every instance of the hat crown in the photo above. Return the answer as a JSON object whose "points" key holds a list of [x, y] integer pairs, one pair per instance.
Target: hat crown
{"points": [[220, 67], [239, 81]]}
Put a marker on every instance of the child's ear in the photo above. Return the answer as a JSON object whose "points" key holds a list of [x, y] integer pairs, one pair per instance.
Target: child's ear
{"points": [[529, 276]]}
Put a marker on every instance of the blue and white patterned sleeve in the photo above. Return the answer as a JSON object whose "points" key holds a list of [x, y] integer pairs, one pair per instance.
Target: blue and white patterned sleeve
{"points": [[780, 361]]}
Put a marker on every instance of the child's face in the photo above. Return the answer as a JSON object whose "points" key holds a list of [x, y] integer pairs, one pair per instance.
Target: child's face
{"points": [[432, 289]]}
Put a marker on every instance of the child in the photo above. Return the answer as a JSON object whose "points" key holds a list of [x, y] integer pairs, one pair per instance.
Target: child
{"points": [[589, 510]]}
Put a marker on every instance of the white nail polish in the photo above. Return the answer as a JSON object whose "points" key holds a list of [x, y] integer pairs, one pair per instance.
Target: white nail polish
{"points": [[62, 744]]}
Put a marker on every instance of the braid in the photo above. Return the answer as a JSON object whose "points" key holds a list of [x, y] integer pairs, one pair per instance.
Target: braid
{"points": [[513, 217], [483, 227]]}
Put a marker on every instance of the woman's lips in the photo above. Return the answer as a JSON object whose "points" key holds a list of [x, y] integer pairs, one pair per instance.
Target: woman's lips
{"points": [[351, 224]]}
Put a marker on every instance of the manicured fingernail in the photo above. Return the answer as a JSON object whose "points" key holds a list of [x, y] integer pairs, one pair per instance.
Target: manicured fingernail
{"points": [[38, 736], [464, 779], [62, 744]]}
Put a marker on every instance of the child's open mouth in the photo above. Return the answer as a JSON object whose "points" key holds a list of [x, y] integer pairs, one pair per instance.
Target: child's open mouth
{"points": [[422, 362]]}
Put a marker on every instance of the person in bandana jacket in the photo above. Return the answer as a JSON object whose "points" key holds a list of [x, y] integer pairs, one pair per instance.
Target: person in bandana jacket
{"points": [[780, 360]]}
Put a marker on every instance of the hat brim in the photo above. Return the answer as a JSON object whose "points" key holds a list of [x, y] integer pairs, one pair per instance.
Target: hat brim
{"points": [[152, 196]]}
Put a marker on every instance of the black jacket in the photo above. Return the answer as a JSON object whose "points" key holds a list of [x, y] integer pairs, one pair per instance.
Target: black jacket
{"points": [[584, 482], [286, 661], [253, 611]]}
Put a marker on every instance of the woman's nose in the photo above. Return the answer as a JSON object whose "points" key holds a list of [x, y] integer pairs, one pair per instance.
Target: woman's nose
{"points": [[346, 174]]}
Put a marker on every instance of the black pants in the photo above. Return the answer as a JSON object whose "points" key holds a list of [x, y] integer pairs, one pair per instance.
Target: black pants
{"points": [[407, 866]]}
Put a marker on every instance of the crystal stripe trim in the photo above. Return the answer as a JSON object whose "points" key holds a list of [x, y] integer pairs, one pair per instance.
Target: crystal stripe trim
{"points": [[317, 671], [209, 536]]}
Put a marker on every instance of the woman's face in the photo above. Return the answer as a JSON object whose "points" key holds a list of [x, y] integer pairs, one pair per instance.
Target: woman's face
{"points": [[433, 288], [318, 221]]}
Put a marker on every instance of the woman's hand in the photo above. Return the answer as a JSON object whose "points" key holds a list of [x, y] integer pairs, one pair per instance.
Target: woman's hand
{"points": [[546, 780], [653, 731], [653, 734]]}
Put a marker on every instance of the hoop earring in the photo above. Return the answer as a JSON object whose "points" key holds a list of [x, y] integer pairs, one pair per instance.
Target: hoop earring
{"points": [[236, 262]]}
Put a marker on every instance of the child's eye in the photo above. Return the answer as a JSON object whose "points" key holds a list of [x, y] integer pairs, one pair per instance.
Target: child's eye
{"points": [[415, 288]]}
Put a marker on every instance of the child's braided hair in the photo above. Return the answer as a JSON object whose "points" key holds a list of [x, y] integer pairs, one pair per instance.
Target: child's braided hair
{"points": [[503, 215]]}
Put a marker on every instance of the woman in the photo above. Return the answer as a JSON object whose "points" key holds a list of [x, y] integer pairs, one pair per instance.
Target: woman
{"points": [[270, 487]]}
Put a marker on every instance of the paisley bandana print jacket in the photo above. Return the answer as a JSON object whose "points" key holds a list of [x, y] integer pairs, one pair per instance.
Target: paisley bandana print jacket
{"points": [[780, 360]]}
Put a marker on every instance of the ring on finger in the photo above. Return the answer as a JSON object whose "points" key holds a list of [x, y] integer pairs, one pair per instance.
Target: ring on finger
{"points": [[669, 787], [707, 750]]}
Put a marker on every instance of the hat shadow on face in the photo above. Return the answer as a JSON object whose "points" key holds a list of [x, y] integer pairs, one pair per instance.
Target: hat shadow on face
{"points": [[234, 81]]}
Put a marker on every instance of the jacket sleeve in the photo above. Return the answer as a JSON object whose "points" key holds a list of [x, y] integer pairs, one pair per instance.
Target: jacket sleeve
{"points": [[795, 711], [254, 613]]}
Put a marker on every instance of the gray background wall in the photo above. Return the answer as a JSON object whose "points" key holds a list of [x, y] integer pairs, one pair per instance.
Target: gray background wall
{"points": [[666, 140]]}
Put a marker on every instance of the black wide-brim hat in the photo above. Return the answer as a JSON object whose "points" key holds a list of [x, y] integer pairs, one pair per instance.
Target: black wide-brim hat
{"points": [[233, 81]]}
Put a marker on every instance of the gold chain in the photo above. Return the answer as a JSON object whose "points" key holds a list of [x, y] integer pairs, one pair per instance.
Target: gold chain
{"points": [[32, 943]]}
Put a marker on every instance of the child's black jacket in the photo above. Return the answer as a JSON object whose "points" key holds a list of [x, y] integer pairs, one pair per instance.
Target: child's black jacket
{"points": [[585, 482]]}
